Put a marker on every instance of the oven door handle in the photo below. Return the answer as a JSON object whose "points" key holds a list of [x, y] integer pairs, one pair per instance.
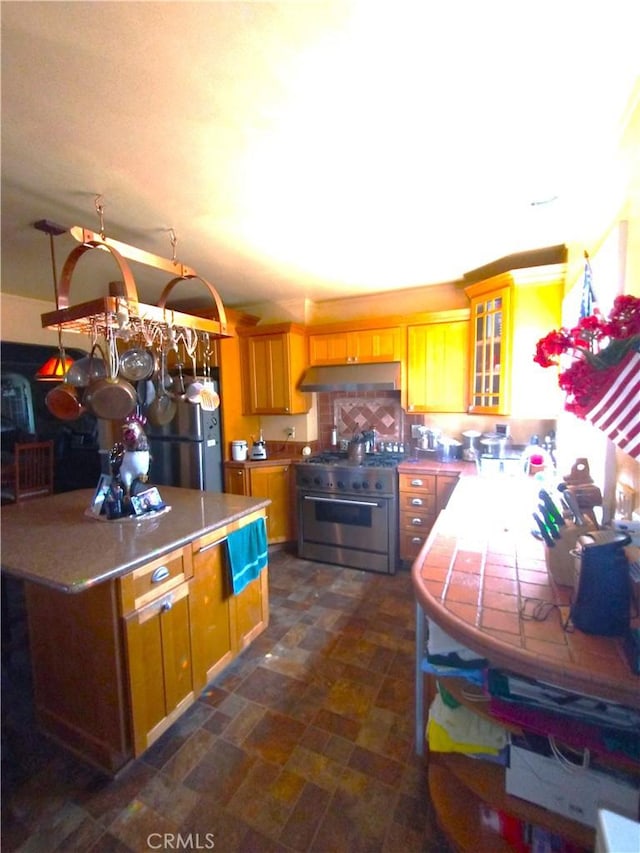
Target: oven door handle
{"points": [[341, 501]]}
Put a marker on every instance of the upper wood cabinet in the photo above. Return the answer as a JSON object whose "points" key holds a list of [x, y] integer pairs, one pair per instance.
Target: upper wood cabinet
{"points": [[438, 363], [510, 312], [363, 346], [273, 360]]}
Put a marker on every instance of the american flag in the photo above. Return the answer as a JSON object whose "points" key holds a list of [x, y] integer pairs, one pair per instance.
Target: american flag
{"points": [[588, 298], [617, 412]]}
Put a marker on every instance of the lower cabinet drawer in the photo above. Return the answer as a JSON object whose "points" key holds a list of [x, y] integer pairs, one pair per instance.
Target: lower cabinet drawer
{"points": [[418, 520], [419, 502], [417, 483], [154, 579], [411, 542]]}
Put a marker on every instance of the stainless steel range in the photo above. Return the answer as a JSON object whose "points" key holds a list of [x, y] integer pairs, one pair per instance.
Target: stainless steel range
{"points": [[348, 514]]}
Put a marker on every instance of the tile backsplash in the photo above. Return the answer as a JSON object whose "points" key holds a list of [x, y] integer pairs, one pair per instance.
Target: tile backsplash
{"points": [[353, 415], [355, 411]]}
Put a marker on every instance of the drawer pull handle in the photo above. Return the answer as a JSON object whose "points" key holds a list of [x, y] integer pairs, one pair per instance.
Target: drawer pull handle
{"points": [[211, 545], [417, 522], [166, 605], [415, 540], [417, 483], [160, 574], [416, 502]]}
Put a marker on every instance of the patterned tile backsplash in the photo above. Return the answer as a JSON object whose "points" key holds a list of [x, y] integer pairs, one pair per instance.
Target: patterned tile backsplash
{"points": [[356, 414]]}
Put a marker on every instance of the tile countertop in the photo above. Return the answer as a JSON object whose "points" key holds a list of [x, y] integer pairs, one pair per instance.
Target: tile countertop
{"points": [[51, 540], [474, 573]]}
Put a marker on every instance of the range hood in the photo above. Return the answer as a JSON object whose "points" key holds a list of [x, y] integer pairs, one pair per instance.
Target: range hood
{"points": [[382, 376]]}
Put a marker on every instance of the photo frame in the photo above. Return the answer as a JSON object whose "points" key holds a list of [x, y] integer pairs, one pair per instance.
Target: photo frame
{"points": [[147, 501], [100, 494]]}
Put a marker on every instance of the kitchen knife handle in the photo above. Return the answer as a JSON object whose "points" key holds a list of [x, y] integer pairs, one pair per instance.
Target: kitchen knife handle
{"points": [[549, 522], [551, 507], [548, 540], [572, 503]]}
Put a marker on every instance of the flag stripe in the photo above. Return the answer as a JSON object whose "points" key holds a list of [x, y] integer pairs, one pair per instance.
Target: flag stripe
{"points": [[617, 413]]}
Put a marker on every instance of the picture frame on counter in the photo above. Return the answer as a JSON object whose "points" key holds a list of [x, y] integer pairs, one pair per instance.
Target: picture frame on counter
{"points": [[99, 496]]}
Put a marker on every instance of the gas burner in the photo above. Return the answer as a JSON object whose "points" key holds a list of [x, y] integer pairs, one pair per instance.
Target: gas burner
{"points": [[371, 460]]}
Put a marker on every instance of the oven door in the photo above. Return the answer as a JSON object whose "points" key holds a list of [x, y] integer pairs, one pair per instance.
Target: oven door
{"points": [[347, 531]]}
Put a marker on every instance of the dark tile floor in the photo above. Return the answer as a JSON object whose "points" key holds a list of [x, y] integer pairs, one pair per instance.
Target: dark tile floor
{"points": [[304, 744]]}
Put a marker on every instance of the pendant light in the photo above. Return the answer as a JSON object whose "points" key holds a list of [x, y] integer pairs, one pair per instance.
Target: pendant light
{"points": [[55, 368]]}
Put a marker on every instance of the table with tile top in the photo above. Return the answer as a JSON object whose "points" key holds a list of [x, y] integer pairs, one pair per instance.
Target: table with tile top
{"points": [[477, 571], [479, 577]]}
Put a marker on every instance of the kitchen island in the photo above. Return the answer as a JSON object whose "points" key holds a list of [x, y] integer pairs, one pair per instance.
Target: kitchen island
{"points": [[479, 577], [129, 619]]}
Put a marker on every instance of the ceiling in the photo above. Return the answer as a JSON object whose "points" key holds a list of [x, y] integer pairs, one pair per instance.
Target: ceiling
{"points": [[308, 149]]}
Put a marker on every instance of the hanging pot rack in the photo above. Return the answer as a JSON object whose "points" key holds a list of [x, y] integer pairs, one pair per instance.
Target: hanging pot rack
{"points": [[109, 313]]}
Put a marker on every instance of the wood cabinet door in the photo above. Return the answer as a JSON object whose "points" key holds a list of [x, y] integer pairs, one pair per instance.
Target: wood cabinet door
{"points": [[272, 366], [274, 482], [267, 374], [438, 367], [491, 353], [249, 611], [236, 481], [158, 647], [329, 348], [357, 345], [212, 646], [445, 487], [373, 345]]}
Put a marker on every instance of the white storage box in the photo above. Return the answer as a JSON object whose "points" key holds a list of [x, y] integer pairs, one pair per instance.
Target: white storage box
{"points": [[576, 792]]}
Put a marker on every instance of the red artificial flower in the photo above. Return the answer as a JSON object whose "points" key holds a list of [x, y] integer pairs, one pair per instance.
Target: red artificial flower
{"points": [[595, 344]]}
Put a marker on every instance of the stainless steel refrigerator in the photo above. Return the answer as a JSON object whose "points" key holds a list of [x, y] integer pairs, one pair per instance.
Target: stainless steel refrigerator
{"points": [[187, 451]]}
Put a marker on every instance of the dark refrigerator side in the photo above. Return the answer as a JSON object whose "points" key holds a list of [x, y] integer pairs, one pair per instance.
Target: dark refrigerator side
{"points": [[187, 452]]}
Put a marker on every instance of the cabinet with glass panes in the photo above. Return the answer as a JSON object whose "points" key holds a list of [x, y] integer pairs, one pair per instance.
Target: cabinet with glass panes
{"points": [[509, 313]]}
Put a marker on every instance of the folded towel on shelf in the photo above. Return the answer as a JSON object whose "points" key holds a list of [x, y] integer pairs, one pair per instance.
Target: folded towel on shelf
{"points": [[248, 553]]}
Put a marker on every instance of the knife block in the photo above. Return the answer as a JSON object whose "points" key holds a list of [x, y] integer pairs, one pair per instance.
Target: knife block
{"points": [[560, 559]]}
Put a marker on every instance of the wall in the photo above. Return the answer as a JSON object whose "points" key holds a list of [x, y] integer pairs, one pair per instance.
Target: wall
{"points": [[20, 322], [414, 300]]}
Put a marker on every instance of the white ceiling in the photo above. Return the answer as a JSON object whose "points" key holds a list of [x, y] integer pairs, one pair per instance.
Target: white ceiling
{"points": [[309, 149]]}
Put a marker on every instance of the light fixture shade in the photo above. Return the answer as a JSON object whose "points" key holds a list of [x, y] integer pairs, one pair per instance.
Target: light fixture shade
{"points": [[54, 369]]}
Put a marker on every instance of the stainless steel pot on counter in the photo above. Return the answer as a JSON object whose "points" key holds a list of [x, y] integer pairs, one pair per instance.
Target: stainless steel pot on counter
{"points": [[494, 445], [449, 449]]}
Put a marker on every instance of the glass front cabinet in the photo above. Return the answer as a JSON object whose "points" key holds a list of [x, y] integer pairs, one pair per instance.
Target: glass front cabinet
{"points": [[510, 312], [490, 347]]}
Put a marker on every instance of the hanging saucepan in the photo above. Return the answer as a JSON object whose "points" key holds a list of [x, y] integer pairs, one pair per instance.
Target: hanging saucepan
{"points": [[63, 403], [111, 398], [137, 363], [62, 400], [162, 409], [87, 369]]}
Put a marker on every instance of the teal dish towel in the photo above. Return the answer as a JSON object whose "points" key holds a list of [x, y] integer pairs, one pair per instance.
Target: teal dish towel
{"points": [[248, 553]]}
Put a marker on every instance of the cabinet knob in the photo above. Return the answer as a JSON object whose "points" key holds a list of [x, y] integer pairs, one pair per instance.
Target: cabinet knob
{"points": [[417, 483], [415, 540], [416, 501], [417, 522], [166, 605]]}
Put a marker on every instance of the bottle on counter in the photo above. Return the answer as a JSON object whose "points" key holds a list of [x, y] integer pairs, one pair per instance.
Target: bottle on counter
{"points": [[334, 436]]}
